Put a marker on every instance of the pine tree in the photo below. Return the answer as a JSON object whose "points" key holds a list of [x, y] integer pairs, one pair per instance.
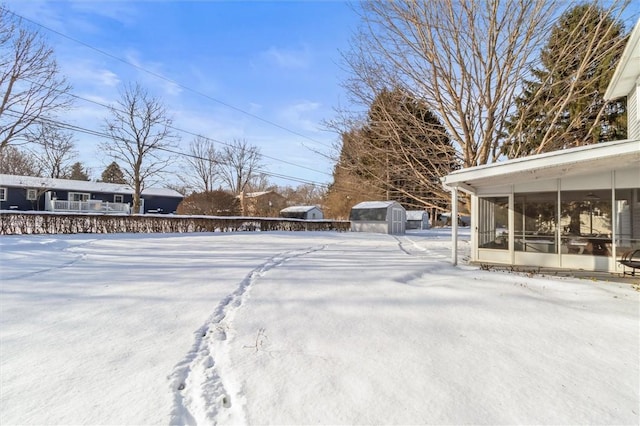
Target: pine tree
{"points": [[113, 174], [78, 172], [562, 105], [404, 150]]}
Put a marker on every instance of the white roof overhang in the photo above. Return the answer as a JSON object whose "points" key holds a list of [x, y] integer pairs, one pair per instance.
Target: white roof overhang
{"points": [[627, 72], [570, 162]]}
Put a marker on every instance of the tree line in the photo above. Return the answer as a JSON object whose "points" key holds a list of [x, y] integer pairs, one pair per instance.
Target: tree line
{"points": [[452, 84], [433, 86], [138, 134]]}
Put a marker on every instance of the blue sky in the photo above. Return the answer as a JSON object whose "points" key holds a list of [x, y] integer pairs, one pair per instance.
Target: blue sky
{"points": [[265, 72]]}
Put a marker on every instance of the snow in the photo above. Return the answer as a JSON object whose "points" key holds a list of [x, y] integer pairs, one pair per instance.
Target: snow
{"points": [[373, 205], [304, 328]]}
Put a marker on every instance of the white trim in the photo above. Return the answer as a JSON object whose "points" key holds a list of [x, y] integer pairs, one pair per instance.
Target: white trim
{"points": [[550, 165], [83, 194], [32, 194], [628, 69], [454, 226]]}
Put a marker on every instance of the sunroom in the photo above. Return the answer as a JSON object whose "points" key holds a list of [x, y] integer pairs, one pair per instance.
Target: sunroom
{"points": [[577, 208]]}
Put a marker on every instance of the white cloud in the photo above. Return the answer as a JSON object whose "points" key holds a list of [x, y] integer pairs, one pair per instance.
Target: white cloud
{"points": [[121, 11], [151, 75], [301, 114], [288, 58]]}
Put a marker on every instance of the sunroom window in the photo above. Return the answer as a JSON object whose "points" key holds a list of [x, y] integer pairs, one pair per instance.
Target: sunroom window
{"points": [[493, 226]]}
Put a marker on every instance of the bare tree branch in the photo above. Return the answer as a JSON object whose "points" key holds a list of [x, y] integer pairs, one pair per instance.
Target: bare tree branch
{"points": [[141, 137], [239, 165], [30, 83]]}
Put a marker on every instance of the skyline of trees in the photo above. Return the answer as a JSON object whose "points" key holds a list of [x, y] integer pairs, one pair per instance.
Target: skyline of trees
{"points": [[447, 86]]}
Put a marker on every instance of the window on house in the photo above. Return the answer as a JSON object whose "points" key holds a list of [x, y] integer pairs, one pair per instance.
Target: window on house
{"points": [[586, 221], [118, 198], [32, 194], [535, 216], [627, 212], [79, 196], [3, 194], [493, 226]]}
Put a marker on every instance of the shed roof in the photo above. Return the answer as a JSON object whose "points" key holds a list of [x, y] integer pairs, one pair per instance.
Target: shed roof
{"points": [[550, 165], [416, 214], [298, 209], [628, 70], [374, 204], [81, 185]]}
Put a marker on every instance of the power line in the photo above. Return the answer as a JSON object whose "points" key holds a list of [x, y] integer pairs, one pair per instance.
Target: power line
{"points": [[79, 129], [199, 135], [168, 80]]}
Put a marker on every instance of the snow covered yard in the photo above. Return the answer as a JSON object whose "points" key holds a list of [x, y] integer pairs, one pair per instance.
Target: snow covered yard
{"points": [[303, 328]]}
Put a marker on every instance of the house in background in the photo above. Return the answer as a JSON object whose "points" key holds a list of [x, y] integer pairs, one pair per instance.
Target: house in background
{"points": [[26, 193], [302, 212], [417, 219], [576, 208], [262, 204], [385, 217]]}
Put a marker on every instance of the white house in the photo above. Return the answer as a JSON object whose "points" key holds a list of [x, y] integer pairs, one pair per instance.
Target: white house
{"points": [[385, 217], [576, 208], [302, 212]]}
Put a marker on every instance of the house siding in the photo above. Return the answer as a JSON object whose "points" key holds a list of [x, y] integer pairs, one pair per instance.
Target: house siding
{"points": [[633, 113], [17, 200], [156, 200]]}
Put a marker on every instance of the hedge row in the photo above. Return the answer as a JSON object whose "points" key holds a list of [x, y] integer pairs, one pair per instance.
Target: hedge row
{"points": [[17, 223]]}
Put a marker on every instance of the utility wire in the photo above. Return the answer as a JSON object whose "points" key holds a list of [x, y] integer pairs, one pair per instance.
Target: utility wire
{"points": [[79, 129], [167, 79]]}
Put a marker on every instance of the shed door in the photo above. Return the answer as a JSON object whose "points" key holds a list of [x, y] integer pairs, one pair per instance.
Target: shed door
{"points": [[396, 222]]}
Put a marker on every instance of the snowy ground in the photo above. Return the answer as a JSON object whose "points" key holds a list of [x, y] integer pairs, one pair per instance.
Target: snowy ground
{"points": [[303, 328]]}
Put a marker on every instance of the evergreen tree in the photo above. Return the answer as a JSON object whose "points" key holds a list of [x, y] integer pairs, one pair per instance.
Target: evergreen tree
{"points": [[113, 174], [402, 150], [562, 105], [78, 172]]}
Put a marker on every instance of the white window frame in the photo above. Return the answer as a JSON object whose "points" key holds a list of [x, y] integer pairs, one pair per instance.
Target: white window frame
{"points": [[118, 198], [84, 196], [32, 194], [3, 194]]}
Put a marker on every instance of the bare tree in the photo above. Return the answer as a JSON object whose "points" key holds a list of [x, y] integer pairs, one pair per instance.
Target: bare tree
{"points": [[201, 164], [306, 194], [30, 83], [15, 162], [240, 163], [53, 149], [141, 138], [463, 59]]}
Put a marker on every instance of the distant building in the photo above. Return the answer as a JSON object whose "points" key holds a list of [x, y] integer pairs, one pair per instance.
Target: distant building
{"points": [[302, 212], [417, 219], [386, 217], [64, 195], [261, 204]]}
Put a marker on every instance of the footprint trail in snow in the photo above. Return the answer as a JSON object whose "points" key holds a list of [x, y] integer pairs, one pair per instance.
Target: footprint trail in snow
{"points": [[204, 390]]}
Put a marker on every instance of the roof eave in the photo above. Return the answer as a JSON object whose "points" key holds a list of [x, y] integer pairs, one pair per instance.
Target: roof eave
{"points": [[627, 72]]}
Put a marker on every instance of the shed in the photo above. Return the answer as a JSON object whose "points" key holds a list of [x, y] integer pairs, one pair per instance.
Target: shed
{"points": [[302, 212], [417, 219], [386, 217]]}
